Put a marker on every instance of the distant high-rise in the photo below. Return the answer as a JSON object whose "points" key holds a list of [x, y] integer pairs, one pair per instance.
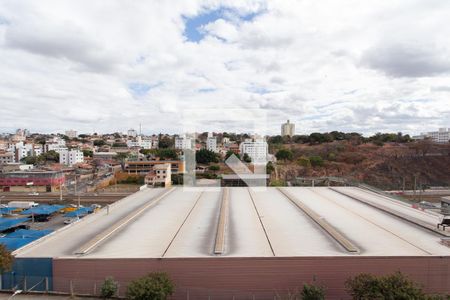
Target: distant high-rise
{"points": [[132, 133], [287, 129], [71, 133]]}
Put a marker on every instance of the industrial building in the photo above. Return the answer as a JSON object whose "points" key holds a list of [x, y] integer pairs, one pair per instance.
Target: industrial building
{"points": [[220, 243], [37, 181]]}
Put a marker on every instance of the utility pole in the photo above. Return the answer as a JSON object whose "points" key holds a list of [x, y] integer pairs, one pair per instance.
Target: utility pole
{"points": [[403, 185]]}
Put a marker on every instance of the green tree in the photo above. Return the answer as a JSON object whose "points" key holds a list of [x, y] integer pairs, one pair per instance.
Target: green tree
{"points": [[6, 259], [304, 162], [214, 168], [278, 182], [269, 168], [165, 142], [154, 286], [316, 161], [167, 154], [228, 154], [205, 156], [278, 139], [108, 288], [284, 154], [246, 158], [88, 153], [394, 286], [99, 143], [312, 292]]}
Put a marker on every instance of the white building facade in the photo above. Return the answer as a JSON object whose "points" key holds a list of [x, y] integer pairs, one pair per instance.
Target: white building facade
{"points": [[71, 157], [211, 143], [72, 133], [257, 150], [183, 142], [287, 129], [441, 136]]}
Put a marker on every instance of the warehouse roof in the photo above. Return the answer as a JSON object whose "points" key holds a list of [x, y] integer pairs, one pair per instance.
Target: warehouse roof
{"points": [[291, 221]]}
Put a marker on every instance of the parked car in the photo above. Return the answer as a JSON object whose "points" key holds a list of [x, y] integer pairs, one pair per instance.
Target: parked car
{"points": [[71, 220], [33, 194]]}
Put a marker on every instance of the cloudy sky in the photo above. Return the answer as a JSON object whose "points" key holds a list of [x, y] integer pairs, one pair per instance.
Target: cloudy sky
{"points": [[109, 65]]}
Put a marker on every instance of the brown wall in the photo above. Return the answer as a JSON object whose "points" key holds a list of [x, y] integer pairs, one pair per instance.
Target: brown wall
{"points": [[223, 278]]}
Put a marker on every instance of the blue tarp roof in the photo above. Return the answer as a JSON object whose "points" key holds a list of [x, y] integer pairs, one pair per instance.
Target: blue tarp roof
{"points": [[28, 233], [22, 237], [79, 212], [6, 210], [15, 243], [43, 210], [10, 223]]}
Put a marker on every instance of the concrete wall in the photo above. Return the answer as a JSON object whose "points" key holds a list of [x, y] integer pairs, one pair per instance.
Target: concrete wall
{"points": [[243, 278]]}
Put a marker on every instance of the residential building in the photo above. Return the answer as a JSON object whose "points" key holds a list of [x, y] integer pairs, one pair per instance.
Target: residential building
{"points": [[144, 166], [160, 175], [183, 142], [7, 157], [211, 143], [56, 144], [71, 157], [22, 150], [72, 133], [104, 155], [257, 150], [131, 132], [287, 129], [440, 136]]}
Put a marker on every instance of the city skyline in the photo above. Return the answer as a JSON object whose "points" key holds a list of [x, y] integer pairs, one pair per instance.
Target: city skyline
{"points": [[346, 66]]}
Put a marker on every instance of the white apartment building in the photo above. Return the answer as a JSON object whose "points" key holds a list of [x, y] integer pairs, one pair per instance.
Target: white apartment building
{"points": [[132, 133], [71, 157], [257, 150], [55, 147], [287, 129], [71, 133], [183, 142], [22, 150], [145, 143], [441, 136], [211, 143]]}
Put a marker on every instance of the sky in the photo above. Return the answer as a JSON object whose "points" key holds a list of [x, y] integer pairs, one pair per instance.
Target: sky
{"points": [[106, 66]]}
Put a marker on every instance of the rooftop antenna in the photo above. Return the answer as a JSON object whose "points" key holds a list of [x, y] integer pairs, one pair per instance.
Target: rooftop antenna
{"points": [[140, 128]]}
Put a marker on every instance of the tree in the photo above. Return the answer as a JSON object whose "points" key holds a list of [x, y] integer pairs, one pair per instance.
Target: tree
{"points": [[246, 158], [228, 154], [278, 139], [99, 143], [214, 168], [88, 153], [6, 259], [51, 155], [304, 162], [205, 156], [157, 286], [269, 168], [316, 161], [312, 292], [284, 154], [394, 286], [109, 288], [167, 154], [165, 142]]}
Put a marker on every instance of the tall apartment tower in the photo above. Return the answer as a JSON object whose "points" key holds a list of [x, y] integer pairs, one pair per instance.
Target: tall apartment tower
{"points": [[287, 129]]}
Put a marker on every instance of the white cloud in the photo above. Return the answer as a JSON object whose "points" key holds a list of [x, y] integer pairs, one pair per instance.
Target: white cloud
{"points": [[326, 65]]}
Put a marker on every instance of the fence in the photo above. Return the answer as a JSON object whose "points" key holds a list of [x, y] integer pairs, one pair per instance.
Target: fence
{"points": [[85, 287]]}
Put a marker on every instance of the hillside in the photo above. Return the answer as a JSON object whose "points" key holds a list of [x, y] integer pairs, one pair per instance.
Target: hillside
{"points": [[384, 166]]}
